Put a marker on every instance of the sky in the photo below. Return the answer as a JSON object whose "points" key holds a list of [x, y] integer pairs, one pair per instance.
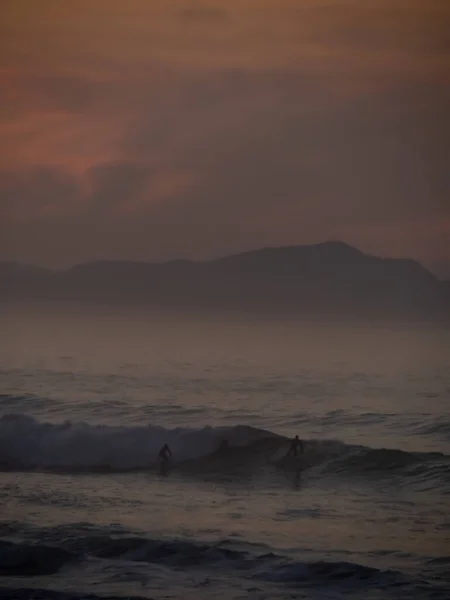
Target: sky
{"points": [[161, 129]]}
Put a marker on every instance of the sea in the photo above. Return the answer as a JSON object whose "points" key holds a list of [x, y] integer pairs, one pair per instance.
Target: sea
{"points": [[88, 511]]}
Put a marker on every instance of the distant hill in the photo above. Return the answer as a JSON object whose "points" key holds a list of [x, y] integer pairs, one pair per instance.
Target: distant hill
{"points": [[331, 278]]}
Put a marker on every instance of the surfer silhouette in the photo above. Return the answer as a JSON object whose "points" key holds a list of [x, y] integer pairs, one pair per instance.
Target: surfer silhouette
{"points": [[295, 445], [165, 453]]}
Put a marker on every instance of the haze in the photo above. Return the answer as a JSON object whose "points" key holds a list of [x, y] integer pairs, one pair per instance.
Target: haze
{"points": [[158, 130]]}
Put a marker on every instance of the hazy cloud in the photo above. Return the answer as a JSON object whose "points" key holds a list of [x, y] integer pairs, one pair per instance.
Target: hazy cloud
{"points": [[203, 13], [32, 193], [194, 129], [114, 184]]}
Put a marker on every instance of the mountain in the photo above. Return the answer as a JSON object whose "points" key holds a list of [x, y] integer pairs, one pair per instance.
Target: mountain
{"points": [[331, 278]]}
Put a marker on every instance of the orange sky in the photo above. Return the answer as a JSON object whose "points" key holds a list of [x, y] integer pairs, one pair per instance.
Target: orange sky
{"points": [[152, 130]]}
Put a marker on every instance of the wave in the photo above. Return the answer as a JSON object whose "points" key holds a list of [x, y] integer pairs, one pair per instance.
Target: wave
{"points": [[25, 560], [13, 401], [34, 559], [45, 551], [7, 593], [52, 550], [424, 469], [441, 428], [26, 444]]}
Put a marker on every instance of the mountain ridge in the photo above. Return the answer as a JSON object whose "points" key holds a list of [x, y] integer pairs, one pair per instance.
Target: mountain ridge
{"points": [[331, 277], [331, 245]]}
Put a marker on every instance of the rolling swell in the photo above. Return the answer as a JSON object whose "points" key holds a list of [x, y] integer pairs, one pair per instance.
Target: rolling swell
{"points": [[51, 550], [40, 594], [27, 444], [29, 560]]}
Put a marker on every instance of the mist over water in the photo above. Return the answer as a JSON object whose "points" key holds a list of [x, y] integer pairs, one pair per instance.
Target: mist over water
{"points": [[88, 400]]}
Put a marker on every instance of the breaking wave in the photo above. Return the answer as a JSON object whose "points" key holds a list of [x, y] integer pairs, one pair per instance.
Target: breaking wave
{"points": [[26, 443]]}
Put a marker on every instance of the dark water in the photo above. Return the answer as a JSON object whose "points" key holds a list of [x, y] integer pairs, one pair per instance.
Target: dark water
{"points": [[86, 405]]}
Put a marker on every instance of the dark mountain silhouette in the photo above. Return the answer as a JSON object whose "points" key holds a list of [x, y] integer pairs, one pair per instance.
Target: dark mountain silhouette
{"points": [[331, 278]]}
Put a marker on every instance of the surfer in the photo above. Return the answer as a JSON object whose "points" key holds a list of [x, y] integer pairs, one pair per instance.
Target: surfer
{"points": [[295, 445], [165, 453]]}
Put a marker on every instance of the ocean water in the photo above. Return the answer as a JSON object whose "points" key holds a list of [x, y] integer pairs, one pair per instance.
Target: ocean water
{"points": [[86, 512]]}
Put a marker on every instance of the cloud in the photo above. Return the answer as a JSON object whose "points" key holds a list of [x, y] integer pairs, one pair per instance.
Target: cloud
{"points": [[34, 192], [114, 184], [25, 90], [378, 154], [243, 167], [196, 129], [195, 14]]}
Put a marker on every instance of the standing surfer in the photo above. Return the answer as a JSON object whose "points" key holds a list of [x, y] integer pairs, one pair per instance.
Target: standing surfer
{"points": [[165, 453], [295, 445]]}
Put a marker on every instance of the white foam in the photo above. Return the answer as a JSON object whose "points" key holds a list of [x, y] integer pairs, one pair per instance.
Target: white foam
{"points": [[27, 442]]}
